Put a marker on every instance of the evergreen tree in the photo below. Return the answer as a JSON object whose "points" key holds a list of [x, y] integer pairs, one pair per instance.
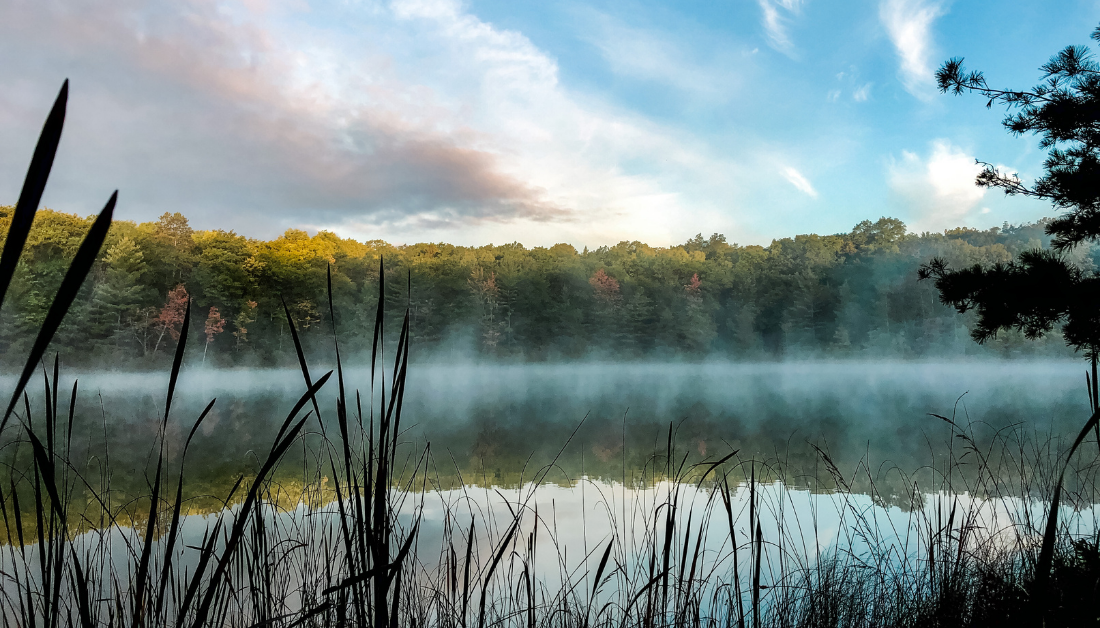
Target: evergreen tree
{"points": [[120, 293]]}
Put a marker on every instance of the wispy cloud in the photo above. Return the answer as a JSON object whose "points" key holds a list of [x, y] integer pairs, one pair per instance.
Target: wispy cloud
{"points": [[776, 14], [909, 25], [650, 55], [799, 181], [862, 93], [937, 191]]}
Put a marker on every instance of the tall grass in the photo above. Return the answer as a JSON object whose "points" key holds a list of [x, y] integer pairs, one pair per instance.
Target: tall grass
{"points": [[996, 537]]}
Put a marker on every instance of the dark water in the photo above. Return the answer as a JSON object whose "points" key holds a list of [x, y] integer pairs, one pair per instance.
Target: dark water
{"points": [[497, 424]]}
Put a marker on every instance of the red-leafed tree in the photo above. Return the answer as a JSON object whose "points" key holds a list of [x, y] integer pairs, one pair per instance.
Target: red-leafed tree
{"points": [[170, 318], [215, 325], [606, 287], [694, 287], [607, 316]]}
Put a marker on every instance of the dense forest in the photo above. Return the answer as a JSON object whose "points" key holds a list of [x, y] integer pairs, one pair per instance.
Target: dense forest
{"points": [[854, 294]]}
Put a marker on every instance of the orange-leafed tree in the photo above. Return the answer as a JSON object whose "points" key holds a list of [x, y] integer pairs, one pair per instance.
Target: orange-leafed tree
{"points": [[487, 292], [699, 329], [606, 287], [215, 325], [694, 288], [170, 318]]}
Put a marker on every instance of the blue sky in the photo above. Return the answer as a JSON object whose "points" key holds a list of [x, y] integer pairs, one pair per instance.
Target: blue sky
{"points": [[542, 122]]}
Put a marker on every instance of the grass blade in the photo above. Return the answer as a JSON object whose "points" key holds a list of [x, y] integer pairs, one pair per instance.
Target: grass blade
{"points": [[1046, 552], [33, 186], [596, 582], [70, 285], [492, 567]]}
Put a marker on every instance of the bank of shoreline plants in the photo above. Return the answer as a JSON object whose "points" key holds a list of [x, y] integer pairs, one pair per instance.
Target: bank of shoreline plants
{"points": [[353, 553]]}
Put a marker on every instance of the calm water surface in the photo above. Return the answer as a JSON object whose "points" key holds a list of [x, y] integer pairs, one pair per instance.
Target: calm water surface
{"points": [[490, 421], [597, 436]]}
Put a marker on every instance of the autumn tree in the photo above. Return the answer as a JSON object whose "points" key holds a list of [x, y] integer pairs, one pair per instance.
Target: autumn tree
{"points": [[487, 293], [215, 324], [694, 289], [170, 318], [699, 328], [606, 287], [607, 320]]}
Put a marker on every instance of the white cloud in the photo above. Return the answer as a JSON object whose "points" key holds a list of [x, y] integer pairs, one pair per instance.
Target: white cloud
{"points": [[799, 181], [863, 93], [937, 192], [433, 9], [909, 25], [776, 15]]}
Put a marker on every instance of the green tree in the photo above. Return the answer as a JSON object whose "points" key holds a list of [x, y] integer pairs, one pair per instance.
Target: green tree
{"points": [[246, 315], [121, 292], [169, 250]]}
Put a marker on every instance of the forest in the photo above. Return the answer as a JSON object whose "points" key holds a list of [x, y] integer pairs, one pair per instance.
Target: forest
{"points": [[854, 294]]}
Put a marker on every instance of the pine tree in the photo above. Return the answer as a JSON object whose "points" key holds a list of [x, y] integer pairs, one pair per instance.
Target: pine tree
{"points": [[118, 297]]}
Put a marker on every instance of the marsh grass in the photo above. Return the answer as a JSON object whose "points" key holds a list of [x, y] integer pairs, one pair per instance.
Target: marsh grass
{"points": [[327, 529]]}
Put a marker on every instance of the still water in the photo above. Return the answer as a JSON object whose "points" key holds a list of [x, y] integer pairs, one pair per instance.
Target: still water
{"points": [[492, 423], [845, 457]]}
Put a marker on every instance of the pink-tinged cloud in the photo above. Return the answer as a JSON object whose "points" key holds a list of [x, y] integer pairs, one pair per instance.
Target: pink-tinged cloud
{"points": [[198, 107]]}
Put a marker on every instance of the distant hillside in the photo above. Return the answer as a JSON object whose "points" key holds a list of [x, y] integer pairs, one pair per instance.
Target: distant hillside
{"points": [[853, 294]]}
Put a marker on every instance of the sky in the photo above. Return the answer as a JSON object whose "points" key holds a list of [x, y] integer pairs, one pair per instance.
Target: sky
{"points": [[493, 121]]}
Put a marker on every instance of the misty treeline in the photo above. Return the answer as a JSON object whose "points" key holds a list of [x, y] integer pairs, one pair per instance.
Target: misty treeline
{"points": [[852, 294]]}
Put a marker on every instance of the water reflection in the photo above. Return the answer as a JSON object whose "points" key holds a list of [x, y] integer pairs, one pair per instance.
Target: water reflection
{"points": [[563, 531], [491, 424]]}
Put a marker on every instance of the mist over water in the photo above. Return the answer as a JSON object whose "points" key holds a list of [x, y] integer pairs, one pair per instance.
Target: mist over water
{"points": [[494, 424]]}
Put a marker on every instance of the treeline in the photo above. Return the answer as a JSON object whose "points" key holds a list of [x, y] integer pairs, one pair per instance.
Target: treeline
{"points": [[852, 294]]}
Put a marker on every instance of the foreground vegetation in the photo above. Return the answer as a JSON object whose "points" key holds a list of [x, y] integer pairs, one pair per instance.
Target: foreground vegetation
{"points": [[851, 294]]}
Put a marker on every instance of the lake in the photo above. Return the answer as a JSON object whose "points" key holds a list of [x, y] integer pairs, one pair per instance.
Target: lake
{"points": [[782, 468]]}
